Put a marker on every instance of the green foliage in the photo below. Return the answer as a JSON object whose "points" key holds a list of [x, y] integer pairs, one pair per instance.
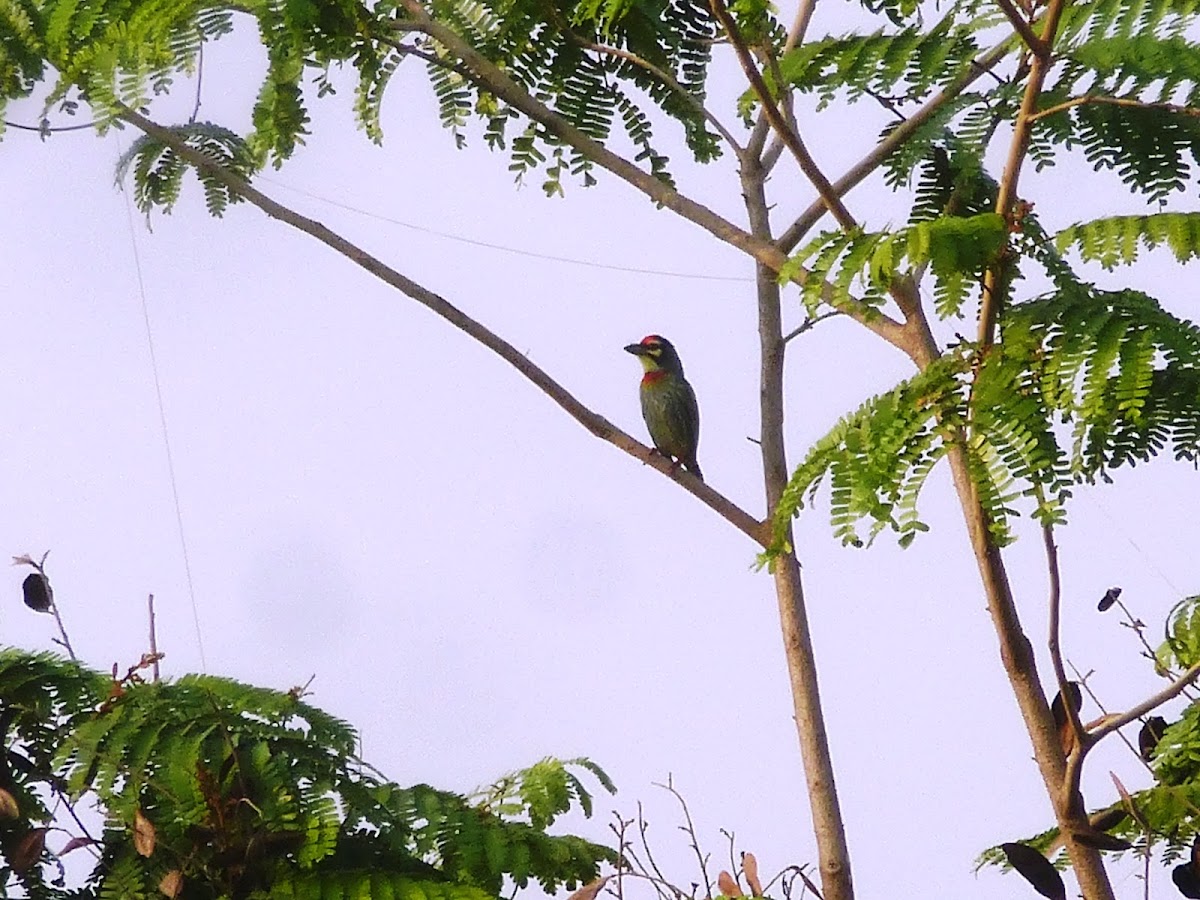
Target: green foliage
{"points": [[865, 265], [158, 170], [254, 793], [1123, 372], [1117, 240], [903, 65]]}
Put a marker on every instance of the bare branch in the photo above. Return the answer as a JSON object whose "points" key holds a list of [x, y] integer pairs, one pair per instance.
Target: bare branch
{"points": [[689, 828], [786, 132], [1114, 101], [758, 531], [809, 323], [1170, 692], [1060, 673]]}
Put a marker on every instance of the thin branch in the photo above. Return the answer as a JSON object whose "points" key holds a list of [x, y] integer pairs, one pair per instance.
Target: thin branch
{"points": [[690, 830], [809, 323], [199, 82], [900, 135], [1018, 148], [1170, 692], [762, 127], [153, 637], [789, 135], [1060, 673], [1020, 24], [1114, 101], [758, 531]]}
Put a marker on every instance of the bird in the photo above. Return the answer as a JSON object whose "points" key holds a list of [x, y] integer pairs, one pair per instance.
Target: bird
{"points": [[668, 402]]}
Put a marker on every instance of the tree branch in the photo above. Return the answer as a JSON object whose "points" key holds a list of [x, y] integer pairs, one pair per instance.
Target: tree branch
{"points": [[1114, 101], [762, 127], [1060, 672], [857, 173], [760, 532], [1018, 148], [787, 134], [1170, 692], [1020, 25]]}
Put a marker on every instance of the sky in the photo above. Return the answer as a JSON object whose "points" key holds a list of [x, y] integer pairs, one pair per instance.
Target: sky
{"points": [[369, 498]]}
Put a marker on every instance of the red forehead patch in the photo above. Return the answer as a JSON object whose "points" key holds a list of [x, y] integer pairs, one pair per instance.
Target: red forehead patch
{"points": [[651, 340]]}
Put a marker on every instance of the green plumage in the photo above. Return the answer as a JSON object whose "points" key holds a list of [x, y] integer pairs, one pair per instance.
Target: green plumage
{"points": [[668, 402]]}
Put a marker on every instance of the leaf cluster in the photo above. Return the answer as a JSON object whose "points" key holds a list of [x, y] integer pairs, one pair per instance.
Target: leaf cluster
{"points": [[228, 790], [1082, 383]]}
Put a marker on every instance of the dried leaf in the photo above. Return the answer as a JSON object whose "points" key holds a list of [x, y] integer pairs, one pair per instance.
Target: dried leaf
{"points": [[1186, 880], [727, 886], [23, 560], [1098, 840], [8, 806], [1121, 789], [143, 834], [1075, 695], [37, 592], [28, 851], [1109, 598], [750, 869], [1151, 733], [1036, 869], [1108, 818], [171, 884], [75, 843], [591, 889]]}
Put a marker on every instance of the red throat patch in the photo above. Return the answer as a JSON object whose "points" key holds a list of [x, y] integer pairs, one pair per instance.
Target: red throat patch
{"points": [[654, 377]]}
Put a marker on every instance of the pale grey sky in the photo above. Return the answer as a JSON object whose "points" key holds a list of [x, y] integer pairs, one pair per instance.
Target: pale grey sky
{"points": [[475, 581]]}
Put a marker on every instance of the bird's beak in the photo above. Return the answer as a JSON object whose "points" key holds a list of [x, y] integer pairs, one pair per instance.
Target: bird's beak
{"points": [[636, 349]]}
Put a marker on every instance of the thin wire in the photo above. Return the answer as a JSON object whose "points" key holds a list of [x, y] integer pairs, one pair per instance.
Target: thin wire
{"points": [[506, 249], [162, 417], [1092, 495]]}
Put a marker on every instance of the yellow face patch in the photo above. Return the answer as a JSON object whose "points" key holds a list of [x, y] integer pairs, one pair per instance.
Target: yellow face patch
{"points": [[650, 363]]}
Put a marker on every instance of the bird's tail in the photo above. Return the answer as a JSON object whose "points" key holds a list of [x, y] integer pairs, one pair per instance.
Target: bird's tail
{"points": [[694, 469]]}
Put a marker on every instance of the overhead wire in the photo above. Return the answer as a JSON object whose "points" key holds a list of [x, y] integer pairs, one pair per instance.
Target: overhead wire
{"points": [[504, 248], [162, 417]]}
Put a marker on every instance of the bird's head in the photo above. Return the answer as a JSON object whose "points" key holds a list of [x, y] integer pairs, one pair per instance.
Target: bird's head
{"points": [[657, 354]]}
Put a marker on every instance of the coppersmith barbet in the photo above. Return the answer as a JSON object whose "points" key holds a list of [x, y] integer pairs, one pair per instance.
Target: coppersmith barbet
{"points": [[668, 402]]}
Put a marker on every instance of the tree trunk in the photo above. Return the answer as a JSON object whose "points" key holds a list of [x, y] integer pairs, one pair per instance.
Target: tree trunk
{"points": [[832, 851], [1021, 667]]}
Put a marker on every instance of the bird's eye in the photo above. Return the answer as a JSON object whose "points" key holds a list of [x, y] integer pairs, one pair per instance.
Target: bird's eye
{"points": [[655, 350]]}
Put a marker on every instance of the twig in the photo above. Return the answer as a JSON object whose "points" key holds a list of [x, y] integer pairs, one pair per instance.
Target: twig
{"points": [[1150, 703], [599, 426], [690, 830], [643, 825], [1083, 681], [809, 323], [1056, 660], [153, 637], [788, 134], [1114, 101], [199, 82]]}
